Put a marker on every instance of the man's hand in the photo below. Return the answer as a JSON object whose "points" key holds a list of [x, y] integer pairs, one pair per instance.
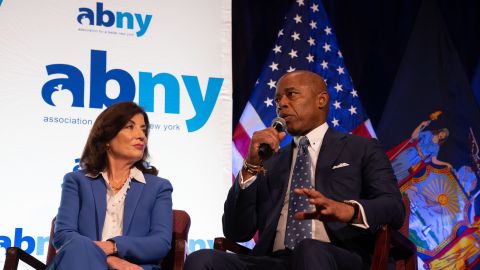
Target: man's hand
{"points": [[268, 136], [325, 208], [121, 264]]}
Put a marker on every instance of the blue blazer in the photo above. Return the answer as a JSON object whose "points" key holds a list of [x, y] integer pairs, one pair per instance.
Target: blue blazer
{"points": [[367, 179], [147, 224]]}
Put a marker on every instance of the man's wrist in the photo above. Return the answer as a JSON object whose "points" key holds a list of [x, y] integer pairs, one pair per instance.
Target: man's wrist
{"points": [[356, 210], [252, 169]]}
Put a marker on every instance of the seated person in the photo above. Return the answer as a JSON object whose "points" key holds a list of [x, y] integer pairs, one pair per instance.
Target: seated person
{"points": [[115, 213], [316, 203]]}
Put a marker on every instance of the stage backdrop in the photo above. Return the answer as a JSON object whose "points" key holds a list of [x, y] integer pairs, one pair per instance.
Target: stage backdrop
{"points": [[63, 62]]}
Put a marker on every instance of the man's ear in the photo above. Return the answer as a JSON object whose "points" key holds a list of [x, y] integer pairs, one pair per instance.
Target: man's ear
{"points": [[322, 99]]}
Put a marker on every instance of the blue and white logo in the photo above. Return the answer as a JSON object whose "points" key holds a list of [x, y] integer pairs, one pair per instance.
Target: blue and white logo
{"points": [[118, 19], [68, 85]]}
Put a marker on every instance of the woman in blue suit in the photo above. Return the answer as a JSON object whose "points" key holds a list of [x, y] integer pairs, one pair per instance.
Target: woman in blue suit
{"points": [[115, 213]]}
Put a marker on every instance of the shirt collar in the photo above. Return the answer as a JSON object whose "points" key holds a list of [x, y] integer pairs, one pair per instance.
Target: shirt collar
{"points": [[135, 173], [315, 136]]}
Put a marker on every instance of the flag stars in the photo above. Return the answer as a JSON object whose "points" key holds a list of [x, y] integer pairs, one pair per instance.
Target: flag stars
{"points": [[280, 33], [338, 87], [293, 54], [313, 24], [335, 122], [340, 54], [326, 47], [324, 65], [328, 30], [277, 49], [274, 66], [298, 19], [295, 36], [300, 3], [340, 70], [291, 69], [311, 41], [337, 104], [352, 110], [272, 84], [268, 102], [354, 93], [309, 58], [314, 8]]}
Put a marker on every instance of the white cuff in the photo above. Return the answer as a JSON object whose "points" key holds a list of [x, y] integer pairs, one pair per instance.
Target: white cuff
{"points": [[244, 184], [364, 224]]}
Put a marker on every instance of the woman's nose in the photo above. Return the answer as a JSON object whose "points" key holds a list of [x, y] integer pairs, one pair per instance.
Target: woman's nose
{"points": [[140, 133]]}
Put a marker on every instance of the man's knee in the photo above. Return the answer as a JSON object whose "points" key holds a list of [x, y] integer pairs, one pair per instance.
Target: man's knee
{"points": [[200, 259], [313, 254], [313, 249], [213, 259]]}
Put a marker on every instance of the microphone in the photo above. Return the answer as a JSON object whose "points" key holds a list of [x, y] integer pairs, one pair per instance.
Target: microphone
{"points": [[265, 152]]}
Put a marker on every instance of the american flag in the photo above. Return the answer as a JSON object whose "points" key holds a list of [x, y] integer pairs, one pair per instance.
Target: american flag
{"points": [[306, 42]]}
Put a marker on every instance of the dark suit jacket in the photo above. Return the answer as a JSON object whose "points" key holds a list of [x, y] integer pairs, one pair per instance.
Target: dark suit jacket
{"points": [[368, 179], [147, 220]]}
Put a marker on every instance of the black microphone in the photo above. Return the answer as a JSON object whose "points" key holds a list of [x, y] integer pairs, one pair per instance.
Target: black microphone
{"points": [[265, 152]]}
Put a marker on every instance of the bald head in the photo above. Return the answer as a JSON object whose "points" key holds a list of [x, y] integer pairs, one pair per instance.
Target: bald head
{"points": [[307, 77]]}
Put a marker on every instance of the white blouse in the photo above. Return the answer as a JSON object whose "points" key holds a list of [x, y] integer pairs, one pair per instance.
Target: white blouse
{"points": [[113, 225]]}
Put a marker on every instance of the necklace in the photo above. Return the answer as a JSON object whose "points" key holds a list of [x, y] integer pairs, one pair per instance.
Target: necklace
{"points": [[119, 184], [117, 187]]}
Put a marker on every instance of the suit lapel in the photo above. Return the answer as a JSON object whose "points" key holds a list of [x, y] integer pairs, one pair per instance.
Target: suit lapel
{"points": [[332, 146], [131, 201], [100, 197]]}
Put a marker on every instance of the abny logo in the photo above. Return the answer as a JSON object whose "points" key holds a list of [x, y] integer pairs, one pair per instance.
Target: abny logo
{"points": [[107, 18], [69, 78]]}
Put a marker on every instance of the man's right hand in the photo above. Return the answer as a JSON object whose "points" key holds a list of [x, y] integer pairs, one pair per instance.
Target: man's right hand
{"points": [[268, 136]]}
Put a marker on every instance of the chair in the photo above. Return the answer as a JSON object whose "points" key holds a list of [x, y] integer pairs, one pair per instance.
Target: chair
{"points": [[388, 243], [174, 259]]}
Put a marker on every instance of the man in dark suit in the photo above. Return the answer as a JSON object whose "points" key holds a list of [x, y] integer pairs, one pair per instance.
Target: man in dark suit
{"points": [[327, 221]]}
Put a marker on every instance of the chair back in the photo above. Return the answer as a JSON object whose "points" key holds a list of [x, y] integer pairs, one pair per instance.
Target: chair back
{"points": [[175, 257], [51, 252]]}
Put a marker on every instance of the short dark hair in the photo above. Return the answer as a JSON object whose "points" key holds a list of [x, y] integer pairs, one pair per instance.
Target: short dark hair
{"points": [[106, 127]]}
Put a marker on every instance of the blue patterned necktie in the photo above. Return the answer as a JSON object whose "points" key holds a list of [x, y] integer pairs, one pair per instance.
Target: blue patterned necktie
{"points": [[297, 230]]}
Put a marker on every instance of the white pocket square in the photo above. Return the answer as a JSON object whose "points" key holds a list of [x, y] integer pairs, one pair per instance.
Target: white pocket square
{"points": [[343, 164]]}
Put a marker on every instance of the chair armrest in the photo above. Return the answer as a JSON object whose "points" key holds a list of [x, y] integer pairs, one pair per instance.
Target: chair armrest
{"points": [[180, 254], [402, 247], [14, 254], [224, 244], [382, 248]]}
